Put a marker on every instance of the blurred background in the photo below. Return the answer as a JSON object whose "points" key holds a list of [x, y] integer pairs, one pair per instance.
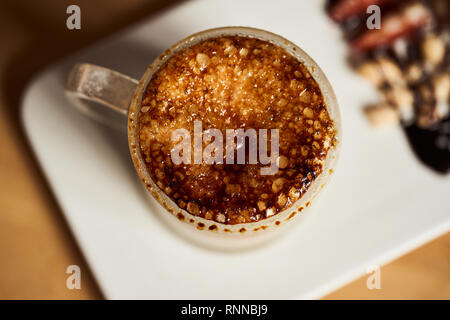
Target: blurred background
{"points": [[36, 244]]}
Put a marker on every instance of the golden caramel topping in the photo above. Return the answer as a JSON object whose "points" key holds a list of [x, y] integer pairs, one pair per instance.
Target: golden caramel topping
{"points": [[232, 83]]}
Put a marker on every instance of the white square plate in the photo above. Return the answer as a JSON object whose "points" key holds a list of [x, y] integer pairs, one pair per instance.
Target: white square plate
{"points": [[381, 202]]}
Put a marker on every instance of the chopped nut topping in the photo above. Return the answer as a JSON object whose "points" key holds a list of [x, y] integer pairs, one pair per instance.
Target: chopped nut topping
{"points": [[391, 71], [433, 49], [382, 115], [441, 84], [372, 72], [414, 73], [400, 96]]}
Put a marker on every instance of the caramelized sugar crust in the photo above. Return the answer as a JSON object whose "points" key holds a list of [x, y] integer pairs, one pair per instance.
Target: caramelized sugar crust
{"points": [[231, 83]]}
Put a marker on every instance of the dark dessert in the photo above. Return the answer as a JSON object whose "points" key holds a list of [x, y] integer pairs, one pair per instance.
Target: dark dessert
{"points": [[408, 59]]}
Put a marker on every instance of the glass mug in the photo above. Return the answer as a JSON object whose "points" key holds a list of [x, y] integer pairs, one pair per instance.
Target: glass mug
{"points": [[120, 96]]}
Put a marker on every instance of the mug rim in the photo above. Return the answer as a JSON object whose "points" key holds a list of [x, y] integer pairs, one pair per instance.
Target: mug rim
{"points": [[287, 215]]}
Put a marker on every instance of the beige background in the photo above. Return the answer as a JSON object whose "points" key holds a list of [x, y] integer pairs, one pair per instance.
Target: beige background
{"points": [[36, 245]]}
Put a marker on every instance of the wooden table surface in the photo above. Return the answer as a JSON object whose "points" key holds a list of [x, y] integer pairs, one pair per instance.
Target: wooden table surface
{"points": [[36, 245]]}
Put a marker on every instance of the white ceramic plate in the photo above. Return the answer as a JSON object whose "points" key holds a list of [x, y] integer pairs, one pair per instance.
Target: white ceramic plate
{"points": [[381, 202]]}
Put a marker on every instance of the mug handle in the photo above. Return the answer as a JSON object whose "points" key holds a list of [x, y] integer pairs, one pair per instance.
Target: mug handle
{"points": [[108, 88]]}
